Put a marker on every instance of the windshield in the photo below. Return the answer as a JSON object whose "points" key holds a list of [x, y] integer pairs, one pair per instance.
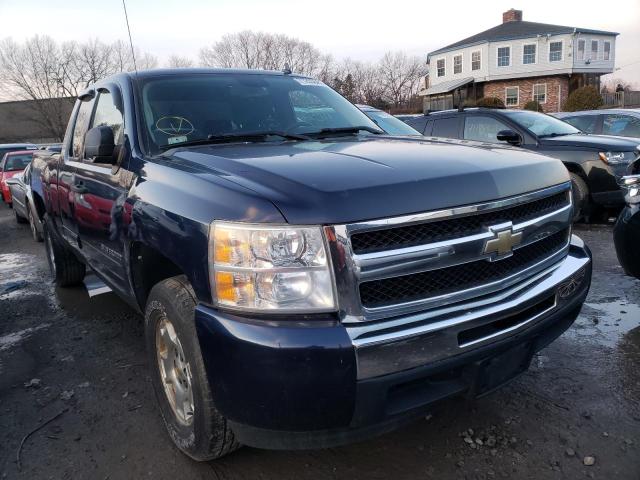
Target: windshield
{"points": [[190, 108], [542, 125], [17, 162], [390, 124]]}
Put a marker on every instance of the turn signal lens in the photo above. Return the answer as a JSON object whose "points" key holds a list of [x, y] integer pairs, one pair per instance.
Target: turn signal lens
{"points": [[280, 268]]}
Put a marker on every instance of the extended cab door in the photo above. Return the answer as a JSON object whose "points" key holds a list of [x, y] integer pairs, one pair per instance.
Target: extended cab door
{"points": [[99, 193]]}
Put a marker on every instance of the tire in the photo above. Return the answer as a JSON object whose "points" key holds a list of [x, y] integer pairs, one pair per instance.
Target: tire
{"points": [[579, 196], [66, 270], [19, 219], [35, 234], [198, 429]]}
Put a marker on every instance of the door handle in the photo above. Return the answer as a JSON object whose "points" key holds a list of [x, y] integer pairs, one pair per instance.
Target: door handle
{"points": [[78, 187]]}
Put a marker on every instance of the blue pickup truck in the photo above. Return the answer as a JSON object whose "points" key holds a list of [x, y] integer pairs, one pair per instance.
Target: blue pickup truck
{"points": [[306, 280]]}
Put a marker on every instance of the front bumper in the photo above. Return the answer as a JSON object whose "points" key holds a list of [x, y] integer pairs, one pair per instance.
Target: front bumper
{"points": [[626, 236], [305, 383]]}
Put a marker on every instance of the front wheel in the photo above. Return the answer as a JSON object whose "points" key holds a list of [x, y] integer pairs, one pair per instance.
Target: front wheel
{"points": [[35, 233], [178, 374], [66, 270], [579, 196], [19, 219]]}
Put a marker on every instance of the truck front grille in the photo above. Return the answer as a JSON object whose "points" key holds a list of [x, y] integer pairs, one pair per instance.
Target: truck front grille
{"points": [[407, 288], [438, 231]]}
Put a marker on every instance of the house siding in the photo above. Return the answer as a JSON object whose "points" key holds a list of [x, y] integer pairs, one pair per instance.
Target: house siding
{"points": [[557, 90], [478, 75], [588, 63]]}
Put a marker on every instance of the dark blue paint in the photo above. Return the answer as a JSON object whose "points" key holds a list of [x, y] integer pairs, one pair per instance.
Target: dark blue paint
{"points": [[284, 377]]}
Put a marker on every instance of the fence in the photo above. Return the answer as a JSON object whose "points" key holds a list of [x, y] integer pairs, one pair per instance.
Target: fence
{"points": [[621, 99]]}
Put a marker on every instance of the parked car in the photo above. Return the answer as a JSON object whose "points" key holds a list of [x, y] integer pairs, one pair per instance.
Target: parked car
{"points": [[595, 162], [387, 122], [23, 205], [626, 232], [54, 147], [620, 122], [12, 164], [306, 279], [14, 147]]}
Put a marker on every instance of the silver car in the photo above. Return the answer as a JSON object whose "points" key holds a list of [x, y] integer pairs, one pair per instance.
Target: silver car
{"points": [[23, 205], [620, 122]]}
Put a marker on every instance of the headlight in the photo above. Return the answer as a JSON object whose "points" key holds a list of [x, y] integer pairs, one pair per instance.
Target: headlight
{"points": [[270, 268], [617, 158], [631, 185]]}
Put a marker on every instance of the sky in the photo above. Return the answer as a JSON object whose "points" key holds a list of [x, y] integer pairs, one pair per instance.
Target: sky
{"points": [[361, 30]]}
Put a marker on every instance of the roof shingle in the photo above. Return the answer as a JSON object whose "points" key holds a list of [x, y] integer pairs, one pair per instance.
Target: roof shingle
{"points": [[518, 29]]}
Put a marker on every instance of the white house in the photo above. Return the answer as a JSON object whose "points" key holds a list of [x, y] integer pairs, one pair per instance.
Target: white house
{"points": [[519, 61]]}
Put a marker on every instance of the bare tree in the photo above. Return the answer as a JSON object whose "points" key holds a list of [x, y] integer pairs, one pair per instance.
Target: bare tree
{"points": [[177, 61], [401, 76], [259, 50], [40, 69]]}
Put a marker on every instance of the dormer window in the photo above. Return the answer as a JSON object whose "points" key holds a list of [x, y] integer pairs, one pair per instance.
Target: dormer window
{"points": [[594, 49], [607, 51], [475, 60], [504, 56], [457, 64], [529, 54], [555, 51]]}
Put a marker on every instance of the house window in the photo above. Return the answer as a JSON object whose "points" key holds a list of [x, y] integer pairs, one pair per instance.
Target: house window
{"points": [[594, 49], [540, 92], [512, 95], [440, 67], [475, 60], [607, 50], [581, 46], [504, 56], [529, 54], [555, 51], [457, 64]]}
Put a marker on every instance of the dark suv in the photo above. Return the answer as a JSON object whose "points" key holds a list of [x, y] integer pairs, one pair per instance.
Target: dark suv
{"points": [[594, 162]]}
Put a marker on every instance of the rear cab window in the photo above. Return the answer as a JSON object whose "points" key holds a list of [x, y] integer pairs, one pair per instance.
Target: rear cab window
{"points": [[586, 123], [623, 125], [446, 127], [483, 128]]}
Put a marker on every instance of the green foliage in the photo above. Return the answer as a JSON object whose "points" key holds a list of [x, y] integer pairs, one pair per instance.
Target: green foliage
{"points": [[584, 98], [490, 102], [533, 105]]}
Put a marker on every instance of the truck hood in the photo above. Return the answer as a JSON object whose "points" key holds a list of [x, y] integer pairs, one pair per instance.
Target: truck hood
{"points": [[599, 142], [332, 182]]}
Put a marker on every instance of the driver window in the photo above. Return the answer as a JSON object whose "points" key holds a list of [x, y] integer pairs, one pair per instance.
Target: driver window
{"points": [[108, 115], [483, 129], [80, 128]]}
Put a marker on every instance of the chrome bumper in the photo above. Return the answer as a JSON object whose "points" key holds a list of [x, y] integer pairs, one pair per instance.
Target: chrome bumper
{"points": [[402, 343]]}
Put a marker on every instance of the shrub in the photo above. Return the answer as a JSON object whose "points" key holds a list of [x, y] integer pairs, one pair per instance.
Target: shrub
{"points": [[533, 105], [584, 98], [491, 102]]}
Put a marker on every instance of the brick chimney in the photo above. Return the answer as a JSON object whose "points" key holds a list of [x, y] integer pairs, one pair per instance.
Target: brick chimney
{"points": [[512, 16]]}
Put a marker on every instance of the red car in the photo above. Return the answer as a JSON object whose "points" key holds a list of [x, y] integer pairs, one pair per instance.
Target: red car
{"points": [[12, 164]]}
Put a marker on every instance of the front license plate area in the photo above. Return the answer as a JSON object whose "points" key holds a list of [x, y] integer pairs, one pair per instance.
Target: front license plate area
{"points": [[496, 371]]}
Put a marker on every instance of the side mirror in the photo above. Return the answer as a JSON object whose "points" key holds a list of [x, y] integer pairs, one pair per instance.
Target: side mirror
{"points": [[12, 181], [509, 136], [99, 145]]}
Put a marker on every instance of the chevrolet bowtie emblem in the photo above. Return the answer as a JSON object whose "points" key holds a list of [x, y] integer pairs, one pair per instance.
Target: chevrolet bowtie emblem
{"points": [[503, 243]]}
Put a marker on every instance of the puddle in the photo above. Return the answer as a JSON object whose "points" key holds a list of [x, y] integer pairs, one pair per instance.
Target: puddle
{"points": [[606, 322], [19, 275], [12, 339]]}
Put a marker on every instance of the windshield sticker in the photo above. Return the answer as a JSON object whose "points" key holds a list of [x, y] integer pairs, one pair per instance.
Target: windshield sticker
{"points": [[309, 81], [180, 139]]}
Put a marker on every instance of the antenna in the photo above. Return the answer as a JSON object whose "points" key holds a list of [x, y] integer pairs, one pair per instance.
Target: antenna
{"points": [[133, 54]]}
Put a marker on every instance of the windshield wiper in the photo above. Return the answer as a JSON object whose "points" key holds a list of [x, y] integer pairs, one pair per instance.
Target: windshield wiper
{"points": [[554, 134], [236, 137], [326, 132]]}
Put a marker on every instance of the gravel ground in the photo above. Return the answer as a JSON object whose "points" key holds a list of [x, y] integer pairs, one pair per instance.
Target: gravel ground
{"points": [[64, 354]]}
